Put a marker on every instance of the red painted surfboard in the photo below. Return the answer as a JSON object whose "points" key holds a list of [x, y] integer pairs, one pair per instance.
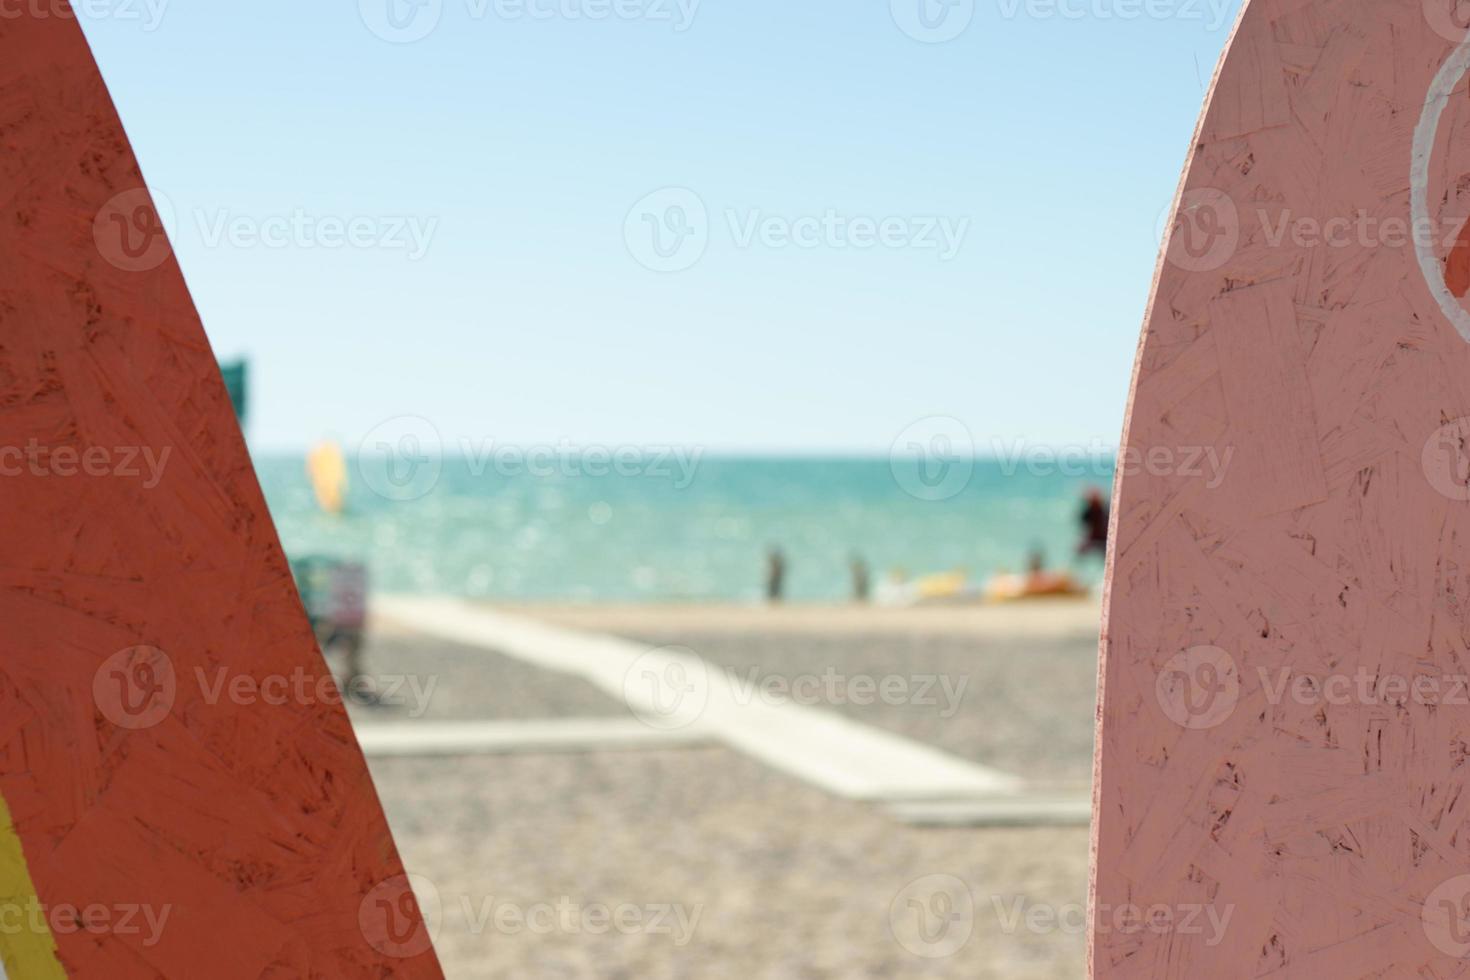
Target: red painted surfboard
{"points": [[1283, 750], [180, 793]]}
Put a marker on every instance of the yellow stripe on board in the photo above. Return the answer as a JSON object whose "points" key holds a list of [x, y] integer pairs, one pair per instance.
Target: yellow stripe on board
{"points": [[26, 945]]}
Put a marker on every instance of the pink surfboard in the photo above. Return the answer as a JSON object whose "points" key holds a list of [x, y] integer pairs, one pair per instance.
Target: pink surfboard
{"points": [[1283, 750]]}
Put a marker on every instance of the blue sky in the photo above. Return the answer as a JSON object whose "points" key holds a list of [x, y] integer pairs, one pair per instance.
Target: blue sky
{"points": [[491, 174]]}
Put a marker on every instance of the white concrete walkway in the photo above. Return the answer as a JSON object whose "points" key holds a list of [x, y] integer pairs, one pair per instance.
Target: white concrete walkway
{"points": [[674, 692], [425, 738]]}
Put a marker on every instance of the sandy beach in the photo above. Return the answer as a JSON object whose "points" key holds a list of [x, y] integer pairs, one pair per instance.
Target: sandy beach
{"points": [[1050, 618], [721, 866]]}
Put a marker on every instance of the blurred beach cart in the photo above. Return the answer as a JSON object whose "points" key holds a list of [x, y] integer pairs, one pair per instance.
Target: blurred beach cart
{"points": [[334, 591]]}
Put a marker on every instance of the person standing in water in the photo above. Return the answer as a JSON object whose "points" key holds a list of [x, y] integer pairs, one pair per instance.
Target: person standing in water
{"points": [[775, 575], [1094, 519], [1036, 561], [862, 584]]}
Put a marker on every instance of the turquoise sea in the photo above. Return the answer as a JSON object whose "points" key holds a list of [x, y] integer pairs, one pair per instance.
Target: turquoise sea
{"points": [[473, 530]]}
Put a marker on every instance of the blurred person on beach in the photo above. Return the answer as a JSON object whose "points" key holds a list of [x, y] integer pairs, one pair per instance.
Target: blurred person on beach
{"points": [[1036, 561], [1094, 519], [775, 574], [862, 579]]}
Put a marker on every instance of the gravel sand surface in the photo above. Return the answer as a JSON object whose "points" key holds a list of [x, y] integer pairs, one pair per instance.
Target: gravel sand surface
{"points": [[703, 864], [425, 677], [712, 867]]}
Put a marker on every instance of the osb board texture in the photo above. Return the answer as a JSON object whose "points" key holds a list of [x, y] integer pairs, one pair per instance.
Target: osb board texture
{"points": [[1326, 818], [255, 825]]}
